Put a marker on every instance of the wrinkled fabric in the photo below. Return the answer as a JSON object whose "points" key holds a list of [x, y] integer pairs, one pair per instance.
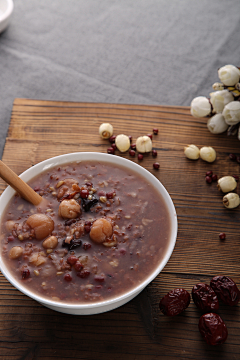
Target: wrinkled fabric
{"points": [[140, 52]]}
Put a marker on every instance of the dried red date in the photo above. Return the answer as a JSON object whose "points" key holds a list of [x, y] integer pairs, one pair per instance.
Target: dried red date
{"points": [[226, 290], [205, 298], [213, 329], [175, 302]]}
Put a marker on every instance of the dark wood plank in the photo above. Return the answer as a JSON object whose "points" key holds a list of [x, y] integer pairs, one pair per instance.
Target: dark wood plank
{"points": [[42, 129]]}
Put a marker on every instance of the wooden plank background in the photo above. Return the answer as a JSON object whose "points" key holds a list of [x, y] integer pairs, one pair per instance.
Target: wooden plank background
{"points": [[137, 330]]}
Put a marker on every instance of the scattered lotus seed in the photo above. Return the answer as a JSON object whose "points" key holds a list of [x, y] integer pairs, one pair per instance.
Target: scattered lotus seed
{"points": [[105, 130], [192, 152], [207, 153]]}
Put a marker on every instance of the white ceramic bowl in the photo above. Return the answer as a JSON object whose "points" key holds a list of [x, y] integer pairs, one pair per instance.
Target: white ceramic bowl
{"points": [[6, 9], [94, 308]]}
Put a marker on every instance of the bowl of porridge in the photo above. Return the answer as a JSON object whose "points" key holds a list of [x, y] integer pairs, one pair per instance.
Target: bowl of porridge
{"points": [[105, 228]]}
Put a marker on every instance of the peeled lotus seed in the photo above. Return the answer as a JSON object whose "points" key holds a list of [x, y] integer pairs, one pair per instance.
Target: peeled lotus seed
{"points": [[207, 153], [231, 112], [217, 124], [219, 99], [143, 144], [122, 142], [192, 152], [200, 107], [105, 130], [229, 75], [231, 200], [227, 184]]}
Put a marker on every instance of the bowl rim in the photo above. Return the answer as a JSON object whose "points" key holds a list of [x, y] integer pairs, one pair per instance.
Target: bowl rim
{"points": [[99, 157], [8, 11]]}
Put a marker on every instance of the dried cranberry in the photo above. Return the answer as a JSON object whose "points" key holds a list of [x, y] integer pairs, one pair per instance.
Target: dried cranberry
{"points": [[84, 193], [99, 278], [222, 236], [83, 274], [78, 266], [133, 146], [112, 138], [150, 135], [205, 298], [87, 246], [110, 195], [209, 173], [213, 329], [110, 150], [175, 302], [208, 179], [25, 274], [140, 157], [226, 290], [72, 260], [214, 177], [132, 153], [154, 153], [232, 157], [156, 165], [155, 131], [67, 277]]}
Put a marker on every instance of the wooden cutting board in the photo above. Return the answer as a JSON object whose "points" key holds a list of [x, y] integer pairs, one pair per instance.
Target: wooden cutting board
{"points": [[42, 129]]}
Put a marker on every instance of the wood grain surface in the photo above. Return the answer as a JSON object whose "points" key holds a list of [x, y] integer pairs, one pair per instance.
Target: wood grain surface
{"points": [[137, 330]]}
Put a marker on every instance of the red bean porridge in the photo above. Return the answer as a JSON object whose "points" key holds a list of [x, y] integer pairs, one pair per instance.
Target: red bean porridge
{"points": [[99, 233]]}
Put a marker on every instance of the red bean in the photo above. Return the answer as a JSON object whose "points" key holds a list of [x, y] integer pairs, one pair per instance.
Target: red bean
{"points": [[110, 195], [208, 179], [110, 150], [78, 266], [72, 260], [156, 166], [112, 139], [155, 131], [67, 277], [132, 153], [232, 157], [222, 236]]}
